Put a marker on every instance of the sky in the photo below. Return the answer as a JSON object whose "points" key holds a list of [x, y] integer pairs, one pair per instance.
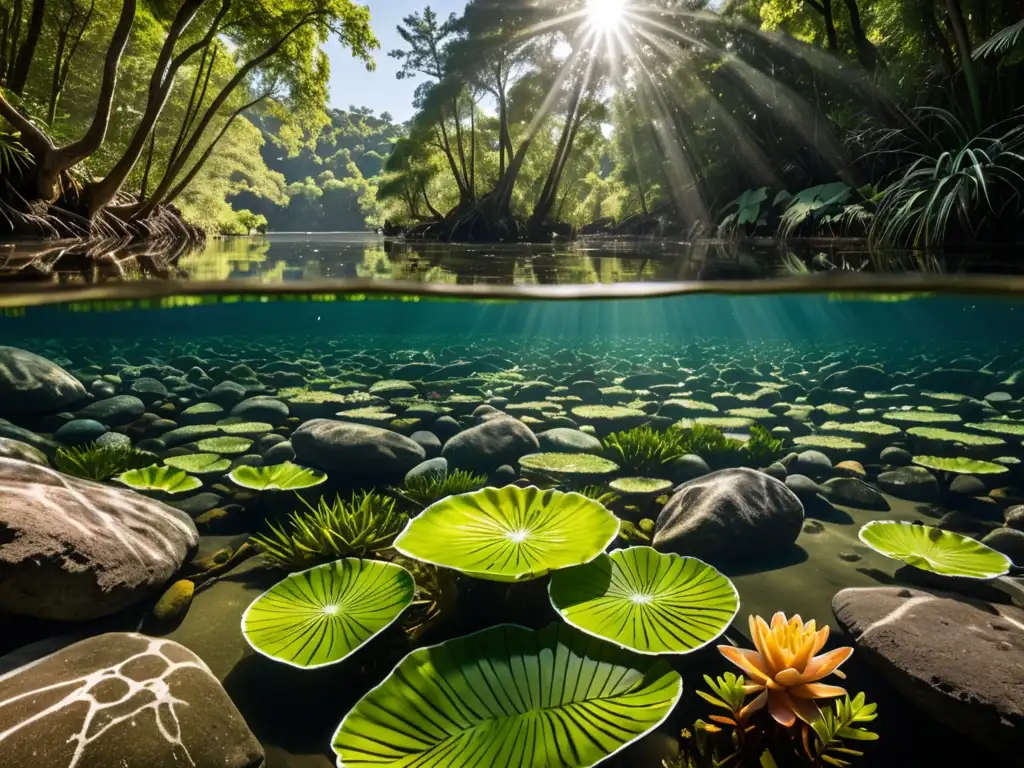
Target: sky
{"points": [[352, 85]]}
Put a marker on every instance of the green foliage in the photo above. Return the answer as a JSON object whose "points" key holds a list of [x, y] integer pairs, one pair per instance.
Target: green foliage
{"points": [[762, 449], [279, 477], [842, 721], [709, 442], [748, 209], [598, 493], [1002, 42], [13, 155], [99, 462], [160, 479], [643, 449], [423, 490], [953, 175], [360, 527]]}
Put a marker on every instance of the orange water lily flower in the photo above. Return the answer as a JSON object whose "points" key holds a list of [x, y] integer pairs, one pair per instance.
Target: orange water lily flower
{"points": [[785, 669]]}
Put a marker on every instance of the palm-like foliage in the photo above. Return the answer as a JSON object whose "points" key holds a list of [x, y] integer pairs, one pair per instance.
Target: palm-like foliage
{"points": [[362, 526], [952, 175], [643, 449], [424, 490], [13, 155], [1001, 42], [101, 462]]}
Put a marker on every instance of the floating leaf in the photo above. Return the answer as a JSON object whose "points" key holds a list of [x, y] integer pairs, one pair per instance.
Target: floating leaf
{"points": [[321, 616], [279, 477], [961, 465], [935, 550], [165, 479], [225, 445], [646, 601], [199, 463], [509, 534], [508, 695]]}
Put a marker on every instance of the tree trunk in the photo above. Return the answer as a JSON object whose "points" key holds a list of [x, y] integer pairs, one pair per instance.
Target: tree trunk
{"points": [[183, 184], [461, 146], [193, 106], [239, 77], [19, 76], [5, 19], [430, 206], [143, 188], [472, 150], [13, 38], [63, 32], [825, 9], [867, 53], [101, 192], [51, 162], [65, 66], [963, 44], [936, 37], [546, 201]]}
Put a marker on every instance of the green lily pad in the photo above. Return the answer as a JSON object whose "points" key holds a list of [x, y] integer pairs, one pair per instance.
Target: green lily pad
{"points": [[321, 616], [935, 550], [166, 479], [568, 464], [997, 427], [240, 428], [725, 423], [279, 477], [921, 417], [951, 436], [861, 428], [509, 534], [646, 601], [508, 695], [961, 465], [829, 442], [640, 486], [225, 446], [199, 463]]}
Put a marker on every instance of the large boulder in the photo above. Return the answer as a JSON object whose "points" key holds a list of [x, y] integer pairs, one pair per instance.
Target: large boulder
{"points": [[956, 658], [15, 449], [863, 378], [355, 449], [265, 409], [121, 699], [732, 513], [76, 550], [565, 440], [32, 385], [487, 446], [114, 411], [913, 483], [851, 492]]}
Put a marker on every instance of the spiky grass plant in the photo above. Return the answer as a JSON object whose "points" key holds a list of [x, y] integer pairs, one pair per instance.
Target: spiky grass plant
{"points": [[362, 526], [101, 462], [598, 493], [643, 449], [953, 174], [762, 448], [424, 490], [709, 442]]}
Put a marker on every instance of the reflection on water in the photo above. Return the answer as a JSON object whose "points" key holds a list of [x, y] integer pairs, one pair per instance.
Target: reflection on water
{"points": [[281, 258]]}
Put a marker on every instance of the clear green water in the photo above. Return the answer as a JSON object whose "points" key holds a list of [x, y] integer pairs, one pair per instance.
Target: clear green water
{"points": [[751, 359]]}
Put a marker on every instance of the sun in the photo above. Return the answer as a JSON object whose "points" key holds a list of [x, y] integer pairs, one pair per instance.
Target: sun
{"points": [[606, 15]]}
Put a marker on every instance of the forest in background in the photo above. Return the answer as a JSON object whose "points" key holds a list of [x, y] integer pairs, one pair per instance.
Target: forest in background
{"points": [[896, 119]]}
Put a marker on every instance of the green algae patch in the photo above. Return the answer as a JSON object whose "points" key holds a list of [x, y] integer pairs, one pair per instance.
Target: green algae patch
{"points": [[960, 465], [867, 428], [640, 486], [568, 464], [950, 436], [921, 416], [199, 463], [829, 442], [225, 446], [997, 427]]}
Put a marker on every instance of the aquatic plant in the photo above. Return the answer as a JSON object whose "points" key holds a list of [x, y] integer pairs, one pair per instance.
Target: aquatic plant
{"points": [[935, 550], [999, 427], [785, 670], [762, 449], [960, 465], [100, 462], [242, 428], [646, 601], [567, 464], [323, 615], [725, 422], [861, 428], [643, 449], [841, 721], [199, 463], [279, 477], [225, 446], [437, 596], [830, 442], [598, 493], [921, 417], [640, 486], [509, 534], [163, 479], [365, 525], [560, 675], [935, 434], [423, 490], [709, 442], [739, 737]]}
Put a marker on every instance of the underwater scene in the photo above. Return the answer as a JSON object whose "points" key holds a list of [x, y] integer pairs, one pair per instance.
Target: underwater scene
{"points": [[402, 530]]}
